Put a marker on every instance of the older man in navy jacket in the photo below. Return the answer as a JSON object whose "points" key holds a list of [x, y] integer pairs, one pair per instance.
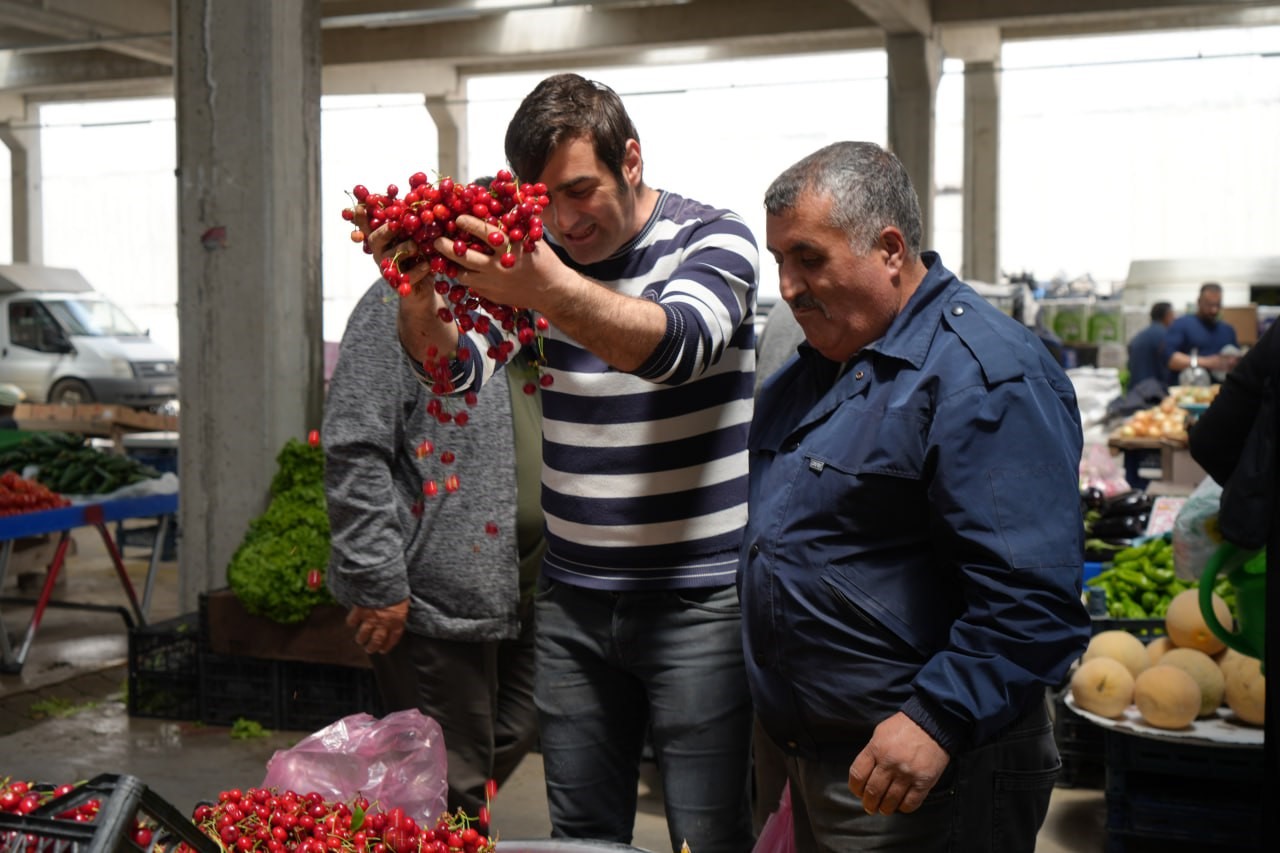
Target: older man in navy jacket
{"points": [[911, 570]]}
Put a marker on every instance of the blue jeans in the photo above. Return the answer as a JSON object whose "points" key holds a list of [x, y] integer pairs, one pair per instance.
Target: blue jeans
{"points": [[991, 799], [613, 666]]}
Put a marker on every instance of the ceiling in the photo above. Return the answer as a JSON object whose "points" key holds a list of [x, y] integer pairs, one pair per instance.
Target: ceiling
{"points": [[80, 49]]}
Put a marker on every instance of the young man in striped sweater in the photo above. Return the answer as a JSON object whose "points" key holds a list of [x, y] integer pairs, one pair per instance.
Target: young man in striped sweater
{"points": [[650, 298]]}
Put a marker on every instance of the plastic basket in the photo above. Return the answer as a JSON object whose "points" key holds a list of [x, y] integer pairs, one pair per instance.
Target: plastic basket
{"points": [[164, 677], [1144, 629], [1205, 796], [123, 799], [314, 695], [1080, 746], [232, 688]]}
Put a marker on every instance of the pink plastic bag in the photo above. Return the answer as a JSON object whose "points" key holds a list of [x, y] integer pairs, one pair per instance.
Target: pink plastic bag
{"points": [[397, 761], [778, 833]]}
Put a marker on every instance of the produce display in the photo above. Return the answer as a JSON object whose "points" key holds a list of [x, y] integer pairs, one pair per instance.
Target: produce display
{"points": [[1174, 680], [1119, 517], [1168, 419], [18, 495], [67, 465], [278, 569], [271, 821], [283, 822], [1140, 582]]}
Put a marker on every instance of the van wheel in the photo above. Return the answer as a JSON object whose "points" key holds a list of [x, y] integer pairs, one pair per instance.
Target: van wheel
{"points": [[70, 392]]}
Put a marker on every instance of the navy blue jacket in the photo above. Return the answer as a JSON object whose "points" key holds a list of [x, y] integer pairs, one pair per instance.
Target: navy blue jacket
{"points": [[914, 536]]}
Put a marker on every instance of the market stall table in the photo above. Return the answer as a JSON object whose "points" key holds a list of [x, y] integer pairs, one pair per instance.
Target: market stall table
{"points": [[1198, 787], [97, 514]]}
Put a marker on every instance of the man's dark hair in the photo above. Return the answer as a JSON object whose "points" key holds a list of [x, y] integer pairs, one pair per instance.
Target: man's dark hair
{"points": [[1159, 311], [1210, 287], [565, 107]]}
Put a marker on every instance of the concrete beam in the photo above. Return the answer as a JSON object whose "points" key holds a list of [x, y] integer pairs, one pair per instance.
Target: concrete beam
{"points": [[112, 24], [373, 78], [915, 64], [898, 17], [555, 32], [93, 71], [26, 194], [249, 291]]}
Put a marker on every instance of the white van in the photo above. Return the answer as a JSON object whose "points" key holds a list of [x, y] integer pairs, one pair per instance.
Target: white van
{"points": [[63, 342]]}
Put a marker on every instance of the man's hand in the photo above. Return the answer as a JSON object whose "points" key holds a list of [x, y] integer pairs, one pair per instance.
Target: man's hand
{"points": [[898, 768], [379, 629], [529, 283]]}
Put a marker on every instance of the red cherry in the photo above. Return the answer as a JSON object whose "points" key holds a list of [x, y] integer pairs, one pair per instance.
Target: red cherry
{"points": [[508, 260], [491, 528], [451, 483], [447, 457], [430, 488], [542, 324], [545, 380], [315, 579], [461, 418], [530, 388], [313, 438]]}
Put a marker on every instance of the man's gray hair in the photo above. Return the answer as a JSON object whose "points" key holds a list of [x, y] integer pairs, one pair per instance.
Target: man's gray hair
{"points": [[868, 186]]}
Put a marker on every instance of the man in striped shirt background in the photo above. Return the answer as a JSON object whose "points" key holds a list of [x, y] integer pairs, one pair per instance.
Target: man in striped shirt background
{"points": [[650, 298]]}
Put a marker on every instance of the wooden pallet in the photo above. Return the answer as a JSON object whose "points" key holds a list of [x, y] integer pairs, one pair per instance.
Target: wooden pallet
{"points": [[97, 419]]}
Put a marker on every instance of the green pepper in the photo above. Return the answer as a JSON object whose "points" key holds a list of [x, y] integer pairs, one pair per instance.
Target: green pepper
{"points": [[1149, 599], [1162, 607], [1162, 577], [1135, 578], [1133, 610], [1130, 553]]}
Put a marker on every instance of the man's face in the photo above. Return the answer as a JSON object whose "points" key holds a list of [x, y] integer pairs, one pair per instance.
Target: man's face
{"points": [[590, 215], [1209, 306], [841, 299]]}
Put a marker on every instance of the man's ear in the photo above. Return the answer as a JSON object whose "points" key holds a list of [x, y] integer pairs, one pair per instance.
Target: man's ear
{"points": [[633, 164], [894, 247]]}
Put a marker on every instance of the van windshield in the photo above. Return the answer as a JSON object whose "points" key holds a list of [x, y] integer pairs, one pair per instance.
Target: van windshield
{"points": [[92, 317]]}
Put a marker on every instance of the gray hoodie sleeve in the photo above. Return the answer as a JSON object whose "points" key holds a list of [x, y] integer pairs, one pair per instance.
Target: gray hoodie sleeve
{"points": [[361, 433]]}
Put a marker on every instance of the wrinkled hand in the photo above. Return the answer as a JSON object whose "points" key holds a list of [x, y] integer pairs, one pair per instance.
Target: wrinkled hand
{"points": [[379, 629], [898, 768]]}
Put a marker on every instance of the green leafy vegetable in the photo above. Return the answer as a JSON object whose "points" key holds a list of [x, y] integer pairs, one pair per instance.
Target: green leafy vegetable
{"points": [[268, 572]]}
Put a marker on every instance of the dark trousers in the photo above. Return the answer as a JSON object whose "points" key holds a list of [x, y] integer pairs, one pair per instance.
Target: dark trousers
{"points": [[481, 694], [992, 799]]}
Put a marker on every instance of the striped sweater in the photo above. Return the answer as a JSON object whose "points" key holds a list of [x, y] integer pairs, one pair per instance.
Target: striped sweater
{"points": [[644, 478]]}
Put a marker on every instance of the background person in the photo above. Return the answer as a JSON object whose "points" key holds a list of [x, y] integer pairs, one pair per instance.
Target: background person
{"points": [[443, 605], [911, 565], [10, 397], [650, 298], [1146, 350], [1204, 333]]}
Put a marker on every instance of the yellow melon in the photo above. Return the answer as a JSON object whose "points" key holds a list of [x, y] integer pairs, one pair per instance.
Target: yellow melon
{"points": [[1205, 671], [1246, 690], [1103, 686], [1157, 647], [1119, 645], [1167, 697], [1185, 625]]}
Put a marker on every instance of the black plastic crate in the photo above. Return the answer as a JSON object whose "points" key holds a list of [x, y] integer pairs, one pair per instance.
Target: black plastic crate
{"points": [[1204, 796], [1080, 745], [1144, 629], [164, 680], [122, 799], [232, 688], [314, 695], [1203, 822]]}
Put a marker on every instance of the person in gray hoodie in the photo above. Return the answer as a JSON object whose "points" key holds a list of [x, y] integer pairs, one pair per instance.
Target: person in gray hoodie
{"points": [[439, 587]]}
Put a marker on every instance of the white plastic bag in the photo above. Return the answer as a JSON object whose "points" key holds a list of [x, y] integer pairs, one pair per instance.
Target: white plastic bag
{"points": [[398, 761], [1195, 530]]}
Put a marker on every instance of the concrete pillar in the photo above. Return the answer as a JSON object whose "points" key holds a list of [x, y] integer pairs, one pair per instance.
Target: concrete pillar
{"points": [[981, 260], [22, 138], [915, 63], [248, 119], [450, 116]]}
